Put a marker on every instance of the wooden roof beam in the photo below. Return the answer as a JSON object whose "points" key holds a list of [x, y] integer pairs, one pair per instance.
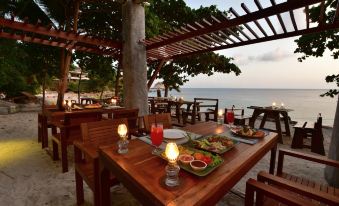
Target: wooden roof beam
{"points": [[270, 11], [322, 13], [56, 33], [269, 38], [228, 30], [308, 17], [244, 7], [336, 13], [293, 21], [281, 21], [257, 2], [245, 24]]}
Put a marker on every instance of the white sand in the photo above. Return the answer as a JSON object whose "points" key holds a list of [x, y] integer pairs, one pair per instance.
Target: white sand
{"points": [[28, 176]]}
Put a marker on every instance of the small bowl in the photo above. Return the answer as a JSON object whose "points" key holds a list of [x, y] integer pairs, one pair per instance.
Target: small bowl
{"points": [[198, 165], [185, 158]]}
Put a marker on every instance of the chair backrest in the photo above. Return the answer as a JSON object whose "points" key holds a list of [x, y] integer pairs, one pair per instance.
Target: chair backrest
{"points": [[319, 123], [102, 132], [207, 103], [75, 119], [164, 118], [130, 114]]}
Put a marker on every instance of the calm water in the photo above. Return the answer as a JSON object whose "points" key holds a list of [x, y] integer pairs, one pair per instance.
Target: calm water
{"points": [[306, 103]]}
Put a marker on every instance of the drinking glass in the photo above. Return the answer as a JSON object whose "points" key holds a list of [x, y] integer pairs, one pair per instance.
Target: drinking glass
{"points": [[157, 135], [230, 118]]}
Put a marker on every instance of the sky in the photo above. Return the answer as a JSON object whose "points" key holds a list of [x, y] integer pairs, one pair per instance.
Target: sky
{"points": [[270, 64]]}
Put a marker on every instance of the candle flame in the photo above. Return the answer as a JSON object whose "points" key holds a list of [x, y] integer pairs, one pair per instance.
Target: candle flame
{"points": [[220, 113], [172, 152], [122, 130]]}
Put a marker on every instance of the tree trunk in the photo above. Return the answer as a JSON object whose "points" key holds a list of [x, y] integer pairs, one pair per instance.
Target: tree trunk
{"points": [[134, 58], [102, 92], [117, 79], [332, 173], [166, 91], [66, 57], [43, 92], [79, 86]]}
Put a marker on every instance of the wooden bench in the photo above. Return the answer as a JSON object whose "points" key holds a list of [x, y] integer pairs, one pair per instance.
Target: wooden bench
{"points": [[291, 189], [304, 130]]}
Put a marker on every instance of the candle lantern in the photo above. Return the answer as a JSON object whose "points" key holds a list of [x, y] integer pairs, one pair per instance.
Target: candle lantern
{"points": [[172, 169], [123, 142], [282, 105], [274, 105], [113, 102]]}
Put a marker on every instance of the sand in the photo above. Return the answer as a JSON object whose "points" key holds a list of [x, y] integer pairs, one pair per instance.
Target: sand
{"points": [[28, 176]]}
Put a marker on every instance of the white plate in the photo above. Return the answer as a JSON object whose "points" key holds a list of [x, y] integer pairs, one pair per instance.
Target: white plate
{"points": [[174, 134]]}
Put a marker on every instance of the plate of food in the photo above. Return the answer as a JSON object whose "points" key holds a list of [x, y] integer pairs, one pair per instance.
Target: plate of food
{"points": [[174, 134], [93, 106], [197, 162], [215, 143], [249, 132]]}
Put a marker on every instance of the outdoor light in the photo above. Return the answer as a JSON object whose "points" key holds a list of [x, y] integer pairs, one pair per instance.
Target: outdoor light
{"points": [[113, 101], [282, 105], [123, 142], [274, 104], [220, 116], [172, 169], [69, 106]]}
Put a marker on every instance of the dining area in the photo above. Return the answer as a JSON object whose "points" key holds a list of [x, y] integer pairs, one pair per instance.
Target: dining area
{"points": [[161, 163]]}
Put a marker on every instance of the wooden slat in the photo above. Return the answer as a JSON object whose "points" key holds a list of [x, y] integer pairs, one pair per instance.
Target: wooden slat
{"points": [[257, 2], [237, 27], [245, 24], [336, 12], [244, 7], [228, 30], [280, 19], [307, 17], [293, 20], [322, 13]]}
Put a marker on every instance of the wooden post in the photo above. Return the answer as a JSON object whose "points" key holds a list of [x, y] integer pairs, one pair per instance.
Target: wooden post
{"points": [[117, 79], [134, 58]]}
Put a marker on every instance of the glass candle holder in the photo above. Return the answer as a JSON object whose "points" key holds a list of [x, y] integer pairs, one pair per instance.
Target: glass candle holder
{"points": [[172, 169], [123, 142]]}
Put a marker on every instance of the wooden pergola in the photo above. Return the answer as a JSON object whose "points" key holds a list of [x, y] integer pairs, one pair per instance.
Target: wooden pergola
{"points": [[223, 32]]}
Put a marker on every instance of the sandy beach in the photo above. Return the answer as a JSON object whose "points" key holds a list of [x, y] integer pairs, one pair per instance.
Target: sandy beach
{"points": [[28, 176]]}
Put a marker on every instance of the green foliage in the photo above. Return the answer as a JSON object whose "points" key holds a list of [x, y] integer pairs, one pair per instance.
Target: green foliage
{"points": [[316, 44]]}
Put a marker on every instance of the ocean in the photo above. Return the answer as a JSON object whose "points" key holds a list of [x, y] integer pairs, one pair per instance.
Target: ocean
{"points": [[306, 103]]}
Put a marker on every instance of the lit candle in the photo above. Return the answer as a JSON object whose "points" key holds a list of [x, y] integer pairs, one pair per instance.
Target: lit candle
{"points": [[220, 113], [172, 169], [172, 152], [113, 101], [69, 104], [123, 142], [282, 104], [122, 131], [64, 103], [274, 104]]}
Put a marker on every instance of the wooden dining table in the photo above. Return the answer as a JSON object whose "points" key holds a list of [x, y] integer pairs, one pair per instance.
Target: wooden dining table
{"points": [[143, 174], [274, 113]]}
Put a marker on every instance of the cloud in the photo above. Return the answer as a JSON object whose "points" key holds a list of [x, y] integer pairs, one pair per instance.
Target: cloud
{"points": [[275, 55]]}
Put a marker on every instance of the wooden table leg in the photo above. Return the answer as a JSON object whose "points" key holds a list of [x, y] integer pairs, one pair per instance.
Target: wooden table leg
{"points": [[286, 122], [105, 195], [263, 121], [278, 127], [255, 115], [272, 161]]}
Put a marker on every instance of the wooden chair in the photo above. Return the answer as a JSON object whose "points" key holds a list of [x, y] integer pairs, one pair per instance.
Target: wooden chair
{"points": [[210, 109], [158, 106], [164, 118], [94, 135], [132, 118], [69, 131], [268, 195], [308, 189], [239, 116], [314, 131]]}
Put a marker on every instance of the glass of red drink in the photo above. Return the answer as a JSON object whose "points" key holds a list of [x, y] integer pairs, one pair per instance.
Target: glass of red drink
{"points": [[157, 135], [230, 118]]}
